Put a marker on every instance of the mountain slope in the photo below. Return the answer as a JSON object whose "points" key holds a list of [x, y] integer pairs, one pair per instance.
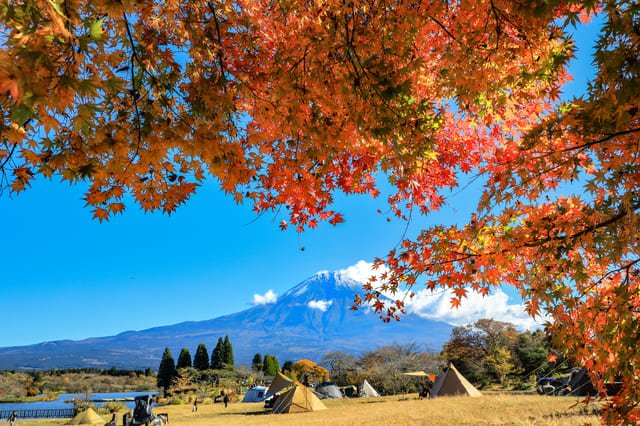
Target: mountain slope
{"points": [[307, 321]]}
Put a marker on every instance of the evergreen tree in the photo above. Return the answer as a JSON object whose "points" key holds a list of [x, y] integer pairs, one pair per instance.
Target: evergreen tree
{"points": [[217, 357], [167, 371], [184, 360], [201, 360], [532, 350], [287, 367], [227, 357], [256, 364], [270, 365]]}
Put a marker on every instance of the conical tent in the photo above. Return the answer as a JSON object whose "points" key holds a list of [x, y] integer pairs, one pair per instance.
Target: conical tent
{"points": [[366, 390], [298, 399], [87, 417], [451, 382], [279, 383]]}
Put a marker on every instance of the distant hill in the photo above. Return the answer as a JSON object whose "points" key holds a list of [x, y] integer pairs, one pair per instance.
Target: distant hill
{"points": [[307, 321]]}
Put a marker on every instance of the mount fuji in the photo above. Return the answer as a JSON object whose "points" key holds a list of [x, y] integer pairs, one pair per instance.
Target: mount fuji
{"points": [[307, 321]]}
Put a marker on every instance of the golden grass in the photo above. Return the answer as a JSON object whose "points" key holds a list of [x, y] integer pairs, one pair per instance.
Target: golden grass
{"points": [[396, 410]]}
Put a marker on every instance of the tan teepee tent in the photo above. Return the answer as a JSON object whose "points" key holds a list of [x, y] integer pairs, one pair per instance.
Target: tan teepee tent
{"points": [[451, 382], [87, 417], [279, 383], [298, 399]]}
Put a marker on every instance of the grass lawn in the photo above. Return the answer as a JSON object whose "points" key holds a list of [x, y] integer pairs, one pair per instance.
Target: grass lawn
{"points": [[396, 410]]}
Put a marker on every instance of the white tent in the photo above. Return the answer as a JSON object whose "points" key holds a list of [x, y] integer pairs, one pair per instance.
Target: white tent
{"points": [[366, 390], [255, 394]]}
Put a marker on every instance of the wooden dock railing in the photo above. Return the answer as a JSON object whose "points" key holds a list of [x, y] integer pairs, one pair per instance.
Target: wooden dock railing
{"points": [[54, 413]]}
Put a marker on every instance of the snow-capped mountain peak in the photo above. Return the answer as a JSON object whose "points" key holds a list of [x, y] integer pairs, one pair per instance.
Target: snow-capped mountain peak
{"points": [[309, 320]]}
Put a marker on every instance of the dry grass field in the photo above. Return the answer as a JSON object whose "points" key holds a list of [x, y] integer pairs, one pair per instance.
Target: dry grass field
{"points": [[452, 411]]}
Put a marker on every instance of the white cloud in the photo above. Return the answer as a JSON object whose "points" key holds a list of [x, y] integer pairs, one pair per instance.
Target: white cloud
{"points": [[265, 299], [362, 271], [321, 305], [437, 306]]}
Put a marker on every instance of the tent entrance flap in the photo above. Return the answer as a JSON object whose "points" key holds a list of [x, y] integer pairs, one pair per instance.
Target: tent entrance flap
{"points": [[298, 399]]}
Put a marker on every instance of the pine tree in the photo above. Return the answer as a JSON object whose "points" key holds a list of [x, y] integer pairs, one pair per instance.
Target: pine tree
{"points": [[287, 367], [167, 371], [184, 360], [217, 357], [270, 366], [227, 357], [201, 360], [256, 364]]}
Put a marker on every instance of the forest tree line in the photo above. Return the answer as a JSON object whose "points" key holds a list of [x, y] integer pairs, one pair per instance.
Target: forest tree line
{"points": [[487, 352], [187, 371]]}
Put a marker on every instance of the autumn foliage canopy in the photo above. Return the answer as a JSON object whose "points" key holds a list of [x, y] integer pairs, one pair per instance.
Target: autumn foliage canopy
{"points": [[309, 371], [287, 102]]}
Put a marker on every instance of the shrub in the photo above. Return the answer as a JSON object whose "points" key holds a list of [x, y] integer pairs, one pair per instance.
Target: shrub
{"points": [[82, 404], [112, 407], [176, 400]]}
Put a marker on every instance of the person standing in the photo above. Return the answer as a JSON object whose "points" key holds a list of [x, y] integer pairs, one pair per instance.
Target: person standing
{"points": [[12, 418], [113, 421], [195, 406], [225, 400]]}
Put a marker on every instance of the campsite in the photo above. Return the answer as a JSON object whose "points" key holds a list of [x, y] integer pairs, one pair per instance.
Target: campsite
{"points": [[451, 400], [492, 409], [398, 384]]}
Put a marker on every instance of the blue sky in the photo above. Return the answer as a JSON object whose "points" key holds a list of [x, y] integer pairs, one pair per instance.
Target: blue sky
{"points": [[67, 276]]}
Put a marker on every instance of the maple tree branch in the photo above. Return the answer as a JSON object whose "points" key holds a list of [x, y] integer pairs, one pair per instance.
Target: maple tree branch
{"points": [[13, 147], [219, 36], [567, 160], [299, 61], [253, 92], [134, 93], [626, 267], [365, 71], [605, 139], [498, 28], [532, 244], [9, 156], [623, 212], [504, 195], [441, 25]]}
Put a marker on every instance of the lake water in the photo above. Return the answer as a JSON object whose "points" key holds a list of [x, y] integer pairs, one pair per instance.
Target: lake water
{"points": [[59, 403]]}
